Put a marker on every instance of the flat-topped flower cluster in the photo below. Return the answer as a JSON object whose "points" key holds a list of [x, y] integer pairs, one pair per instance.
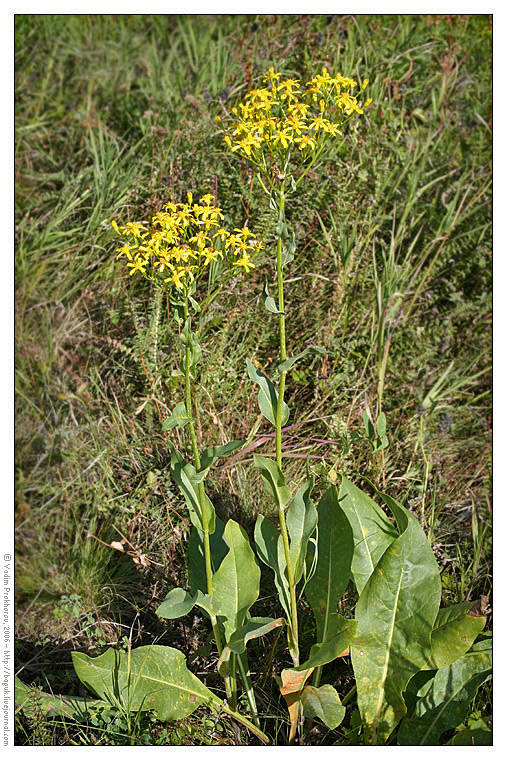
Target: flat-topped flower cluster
{"points": [[284, 115], [183, 240]]}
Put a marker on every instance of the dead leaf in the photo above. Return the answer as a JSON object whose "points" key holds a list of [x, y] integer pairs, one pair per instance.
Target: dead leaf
{"points": [[291, 688]]}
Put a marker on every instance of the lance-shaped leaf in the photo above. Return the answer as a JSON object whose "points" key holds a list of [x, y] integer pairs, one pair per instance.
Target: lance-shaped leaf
{"points": [[288, 363], [236, 582], [301, 521], [150, 678], [396, 613], [335, 546], [453, 634], [190, 341], [338, 646], [274, 481], [186, 479], [196, 567], [33, 702], [323, 703], [178, 418], [268, 397], [252, 629], [210, 455], [444, 704], [270, 551], [373, 531]]}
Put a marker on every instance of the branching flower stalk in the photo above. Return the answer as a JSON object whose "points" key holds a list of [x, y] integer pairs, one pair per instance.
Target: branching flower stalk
{"points": [[184, 242], [282, 129]]}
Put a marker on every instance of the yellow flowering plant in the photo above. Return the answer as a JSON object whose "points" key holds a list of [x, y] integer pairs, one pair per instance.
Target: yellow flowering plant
{"points": [[281, 130], [183, 243]]}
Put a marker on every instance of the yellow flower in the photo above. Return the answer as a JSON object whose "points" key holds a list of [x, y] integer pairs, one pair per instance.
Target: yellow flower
{"points": [[244, 262], [139, 265], [175, 279], [133, 228], [124, 251]]}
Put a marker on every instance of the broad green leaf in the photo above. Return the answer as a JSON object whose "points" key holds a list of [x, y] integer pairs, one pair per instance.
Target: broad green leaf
{"points": [[453, 634], [396, 613], [252, 629], [477, 734], [335, 546], [321, 654], [270, 302], [33, 702], [274, 481], [236, 582], [323, 703], [268, 397], [288, 363], [445, 703], [270, 551], [196, 568], [210, 455], [148, 678], [373, 531], [177, 603], [178, 418], [301, 521]]}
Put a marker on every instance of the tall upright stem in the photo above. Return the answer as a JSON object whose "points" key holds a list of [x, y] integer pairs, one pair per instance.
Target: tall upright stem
{"points": [[202, 495], [293, 628]]}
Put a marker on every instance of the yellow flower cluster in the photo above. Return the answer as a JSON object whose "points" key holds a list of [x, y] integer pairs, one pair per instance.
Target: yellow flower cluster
{"points": [[284, 115], [181, 243]]}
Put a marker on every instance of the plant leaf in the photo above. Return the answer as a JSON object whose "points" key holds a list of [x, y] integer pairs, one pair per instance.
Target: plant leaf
{"points": [[373, 531], [270, 551], [252, 629], [274, 481], [178, 417], [336, 647], [445, 703], [396, 612], [186, 479], [301, 522], [32, 702], [236, 582], [152, 678], [196, 568], [335, 546], [323, 703], [288, 363], [268, 396], [477, 734], [210, 455], [293, 682], [270, 302], [453, 634], [177, 603]]}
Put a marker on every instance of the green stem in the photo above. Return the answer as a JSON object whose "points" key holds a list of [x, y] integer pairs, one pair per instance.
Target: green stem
{"points": [[293, 627], [247, 685], [202, 496]]}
